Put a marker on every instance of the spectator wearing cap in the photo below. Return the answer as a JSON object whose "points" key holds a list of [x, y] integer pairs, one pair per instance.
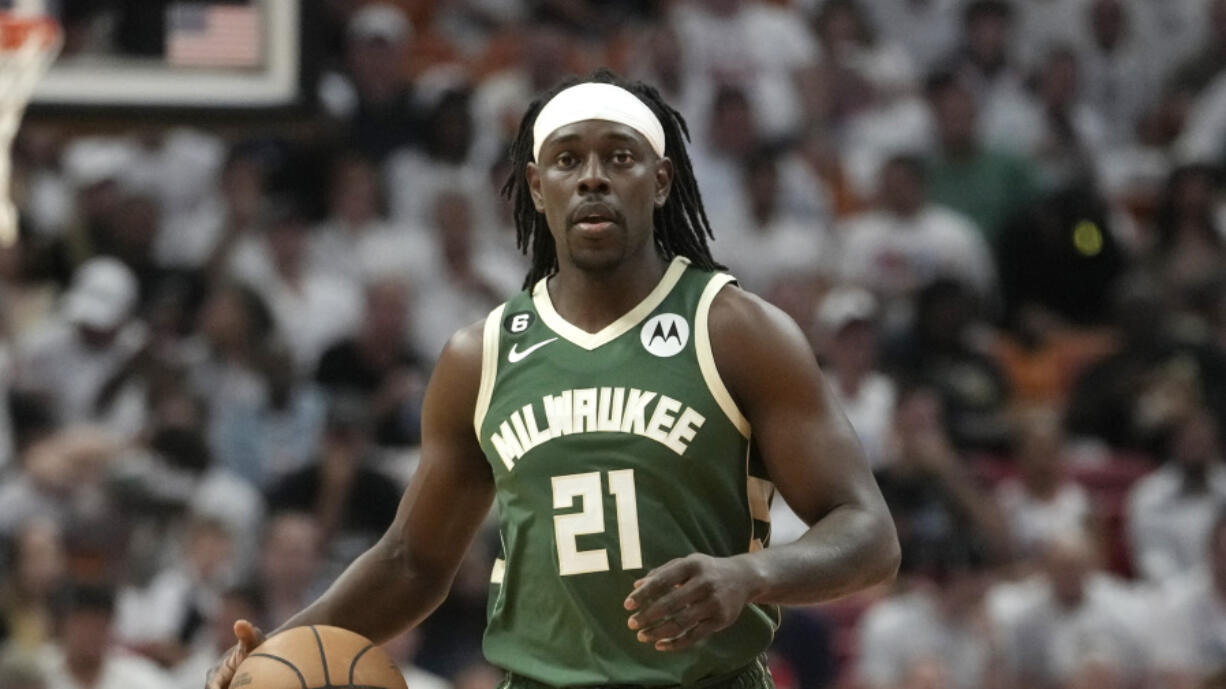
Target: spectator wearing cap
{"points": [[93, 335], [846, 344], [86, 655], [371, 98], [847, 319]]}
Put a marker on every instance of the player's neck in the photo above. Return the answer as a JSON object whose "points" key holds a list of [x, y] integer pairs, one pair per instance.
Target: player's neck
{"points": [[591, 300]]}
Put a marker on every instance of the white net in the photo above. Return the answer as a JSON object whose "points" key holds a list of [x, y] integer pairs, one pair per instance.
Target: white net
{"points": [[28, 46]]}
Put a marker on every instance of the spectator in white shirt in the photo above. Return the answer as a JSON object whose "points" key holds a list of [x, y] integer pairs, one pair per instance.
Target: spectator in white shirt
{"points": [[86, 656], [356, 241], [935, 628], [158, 618], [466, 281], [1078, 615], [909, 242], [1054, 125], [203, 236], [1042, 501], [778, 243], [1170, 512], [1189, 631], [312, 308], [928, 29], [756, 46], [720, 157], [1118, 77], [447, 161], [987, 59]]}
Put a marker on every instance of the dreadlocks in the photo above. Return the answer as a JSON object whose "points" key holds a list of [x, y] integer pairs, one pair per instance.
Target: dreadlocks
{"points": [[681, 225]]}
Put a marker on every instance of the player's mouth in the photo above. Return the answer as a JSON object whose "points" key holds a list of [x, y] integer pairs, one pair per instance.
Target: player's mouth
{"points": [[594, 218]]}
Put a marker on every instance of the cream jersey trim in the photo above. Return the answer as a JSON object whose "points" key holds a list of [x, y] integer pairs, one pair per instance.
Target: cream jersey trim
{"points": [[706, 359], [489, 366], [590, 341]]}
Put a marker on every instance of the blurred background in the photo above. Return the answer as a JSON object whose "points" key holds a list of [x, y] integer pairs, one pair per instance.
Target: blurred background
{"points": [[247, 229]]}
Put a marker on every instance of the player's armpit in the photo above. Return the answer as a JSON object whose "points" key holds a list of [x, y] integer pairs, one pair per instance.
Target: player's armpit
{"points": [[810, 453]]}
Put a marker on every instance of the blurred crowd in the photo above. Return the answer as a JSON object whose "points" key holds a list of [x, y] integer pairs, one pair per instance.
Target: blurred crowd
{"points": [[1001, 223]]}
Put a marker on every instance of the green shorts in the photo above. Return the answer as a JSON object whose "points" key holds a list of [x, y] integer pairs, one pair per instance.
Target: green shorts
{"points": [[752, 676]]}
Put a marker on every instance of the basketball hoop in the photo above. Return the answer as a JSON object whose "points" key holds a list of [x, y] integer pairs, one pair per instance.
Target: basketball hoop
{"points": [[28, 46]]}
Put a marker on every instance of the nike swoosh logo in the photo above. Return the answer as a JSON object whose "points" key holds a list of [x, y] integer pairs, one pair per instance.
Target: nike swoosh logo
{"points": [[514, 356]]}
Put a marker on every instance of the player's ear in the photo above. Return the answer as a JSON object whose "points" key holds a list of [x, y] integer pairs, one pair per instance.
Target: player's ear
{"points": [[664, 180], [533, 174]]}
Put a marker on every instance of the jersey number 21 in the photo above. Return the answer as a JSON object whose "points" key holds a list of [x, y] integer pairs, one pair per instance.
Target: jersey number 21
{"points": [[590, 520]]}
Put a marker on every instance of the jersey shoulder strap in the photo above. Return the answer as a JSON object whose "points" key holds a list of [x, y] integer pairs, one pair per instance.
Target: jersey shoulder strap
{"points": [[705, 356]]}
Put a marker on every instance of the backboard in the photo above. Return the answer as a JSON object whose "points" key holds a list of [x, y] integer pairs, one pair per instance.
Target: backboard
{"points": [[195, 54]]}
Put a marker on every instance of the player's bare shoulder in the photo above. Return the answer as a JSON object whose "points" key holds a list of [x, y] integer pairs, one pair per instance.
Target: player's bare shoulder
{"points": [[757, 347], [456, 379]]}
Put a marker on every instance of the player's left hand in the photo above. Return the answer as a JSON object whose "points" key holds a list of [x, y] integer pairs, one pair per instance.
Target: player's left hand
{"points": [[688, 599]]}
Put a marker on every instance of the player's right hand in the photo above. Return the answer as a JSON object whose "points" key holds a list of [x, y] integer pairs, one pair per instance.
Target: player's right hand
{"points": [[248, 638]]}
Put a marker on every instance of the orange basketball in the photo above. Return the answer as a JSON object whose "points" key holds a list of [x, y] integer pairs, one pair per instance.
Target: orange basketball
{"points": [[317, 657]]}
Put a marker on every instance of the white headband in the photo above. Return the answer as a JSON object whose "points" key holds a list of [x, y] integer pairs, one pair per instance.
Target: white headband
{"points": [[597, 101]]}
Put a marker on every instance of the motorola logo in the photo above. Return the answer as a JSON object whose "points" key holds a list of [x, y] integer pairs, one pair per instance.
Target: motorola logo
{"points": [[665, 334]]}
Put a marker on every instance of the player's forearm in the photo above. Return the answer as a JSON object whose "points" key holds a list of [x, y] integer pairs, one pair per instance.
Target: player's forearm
{"points": [[848, 549], [381, 593]]}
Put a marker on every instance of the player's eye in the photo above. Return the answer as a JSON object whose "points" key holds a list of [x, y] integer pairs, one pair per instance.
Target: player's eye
{"points": [[623, 158], [565, 160]]}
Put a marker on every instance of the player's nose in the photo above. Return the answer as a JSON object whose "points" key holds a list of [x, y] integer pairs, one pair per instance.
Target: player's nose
{"points": [[592, 175]]}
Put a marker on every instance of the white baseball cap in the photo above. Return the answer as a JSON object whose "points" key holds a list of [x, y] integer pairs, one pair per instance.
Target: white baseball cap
{"points": [[843, 306], [103, 294]]}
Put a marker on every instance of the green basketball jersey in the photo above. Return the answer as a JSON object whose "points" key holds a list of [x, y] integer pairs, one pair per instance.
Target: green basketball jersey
{"points": [[613, 453]]}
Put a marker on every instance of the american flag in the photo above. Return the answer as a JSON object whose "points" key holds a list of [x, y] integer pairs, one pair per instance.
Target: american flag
{"points": [[213, 35]]}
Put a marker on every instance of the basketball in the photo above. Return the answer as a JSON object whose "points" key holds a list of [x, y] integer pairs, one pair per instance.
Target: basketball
{"points": [[318, 657]]}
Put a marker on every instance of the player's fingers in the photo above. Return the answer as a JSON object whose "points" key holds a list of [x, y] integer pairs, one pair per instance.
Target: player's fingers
{"points": [[673, 626], [688, 638], [249, 636], [658, 582], [668, 604]]}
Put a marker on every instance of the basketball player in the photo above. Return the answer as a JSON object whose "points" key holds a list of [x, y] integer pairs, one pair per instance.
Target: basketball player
{"points": [[629, 411]]}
